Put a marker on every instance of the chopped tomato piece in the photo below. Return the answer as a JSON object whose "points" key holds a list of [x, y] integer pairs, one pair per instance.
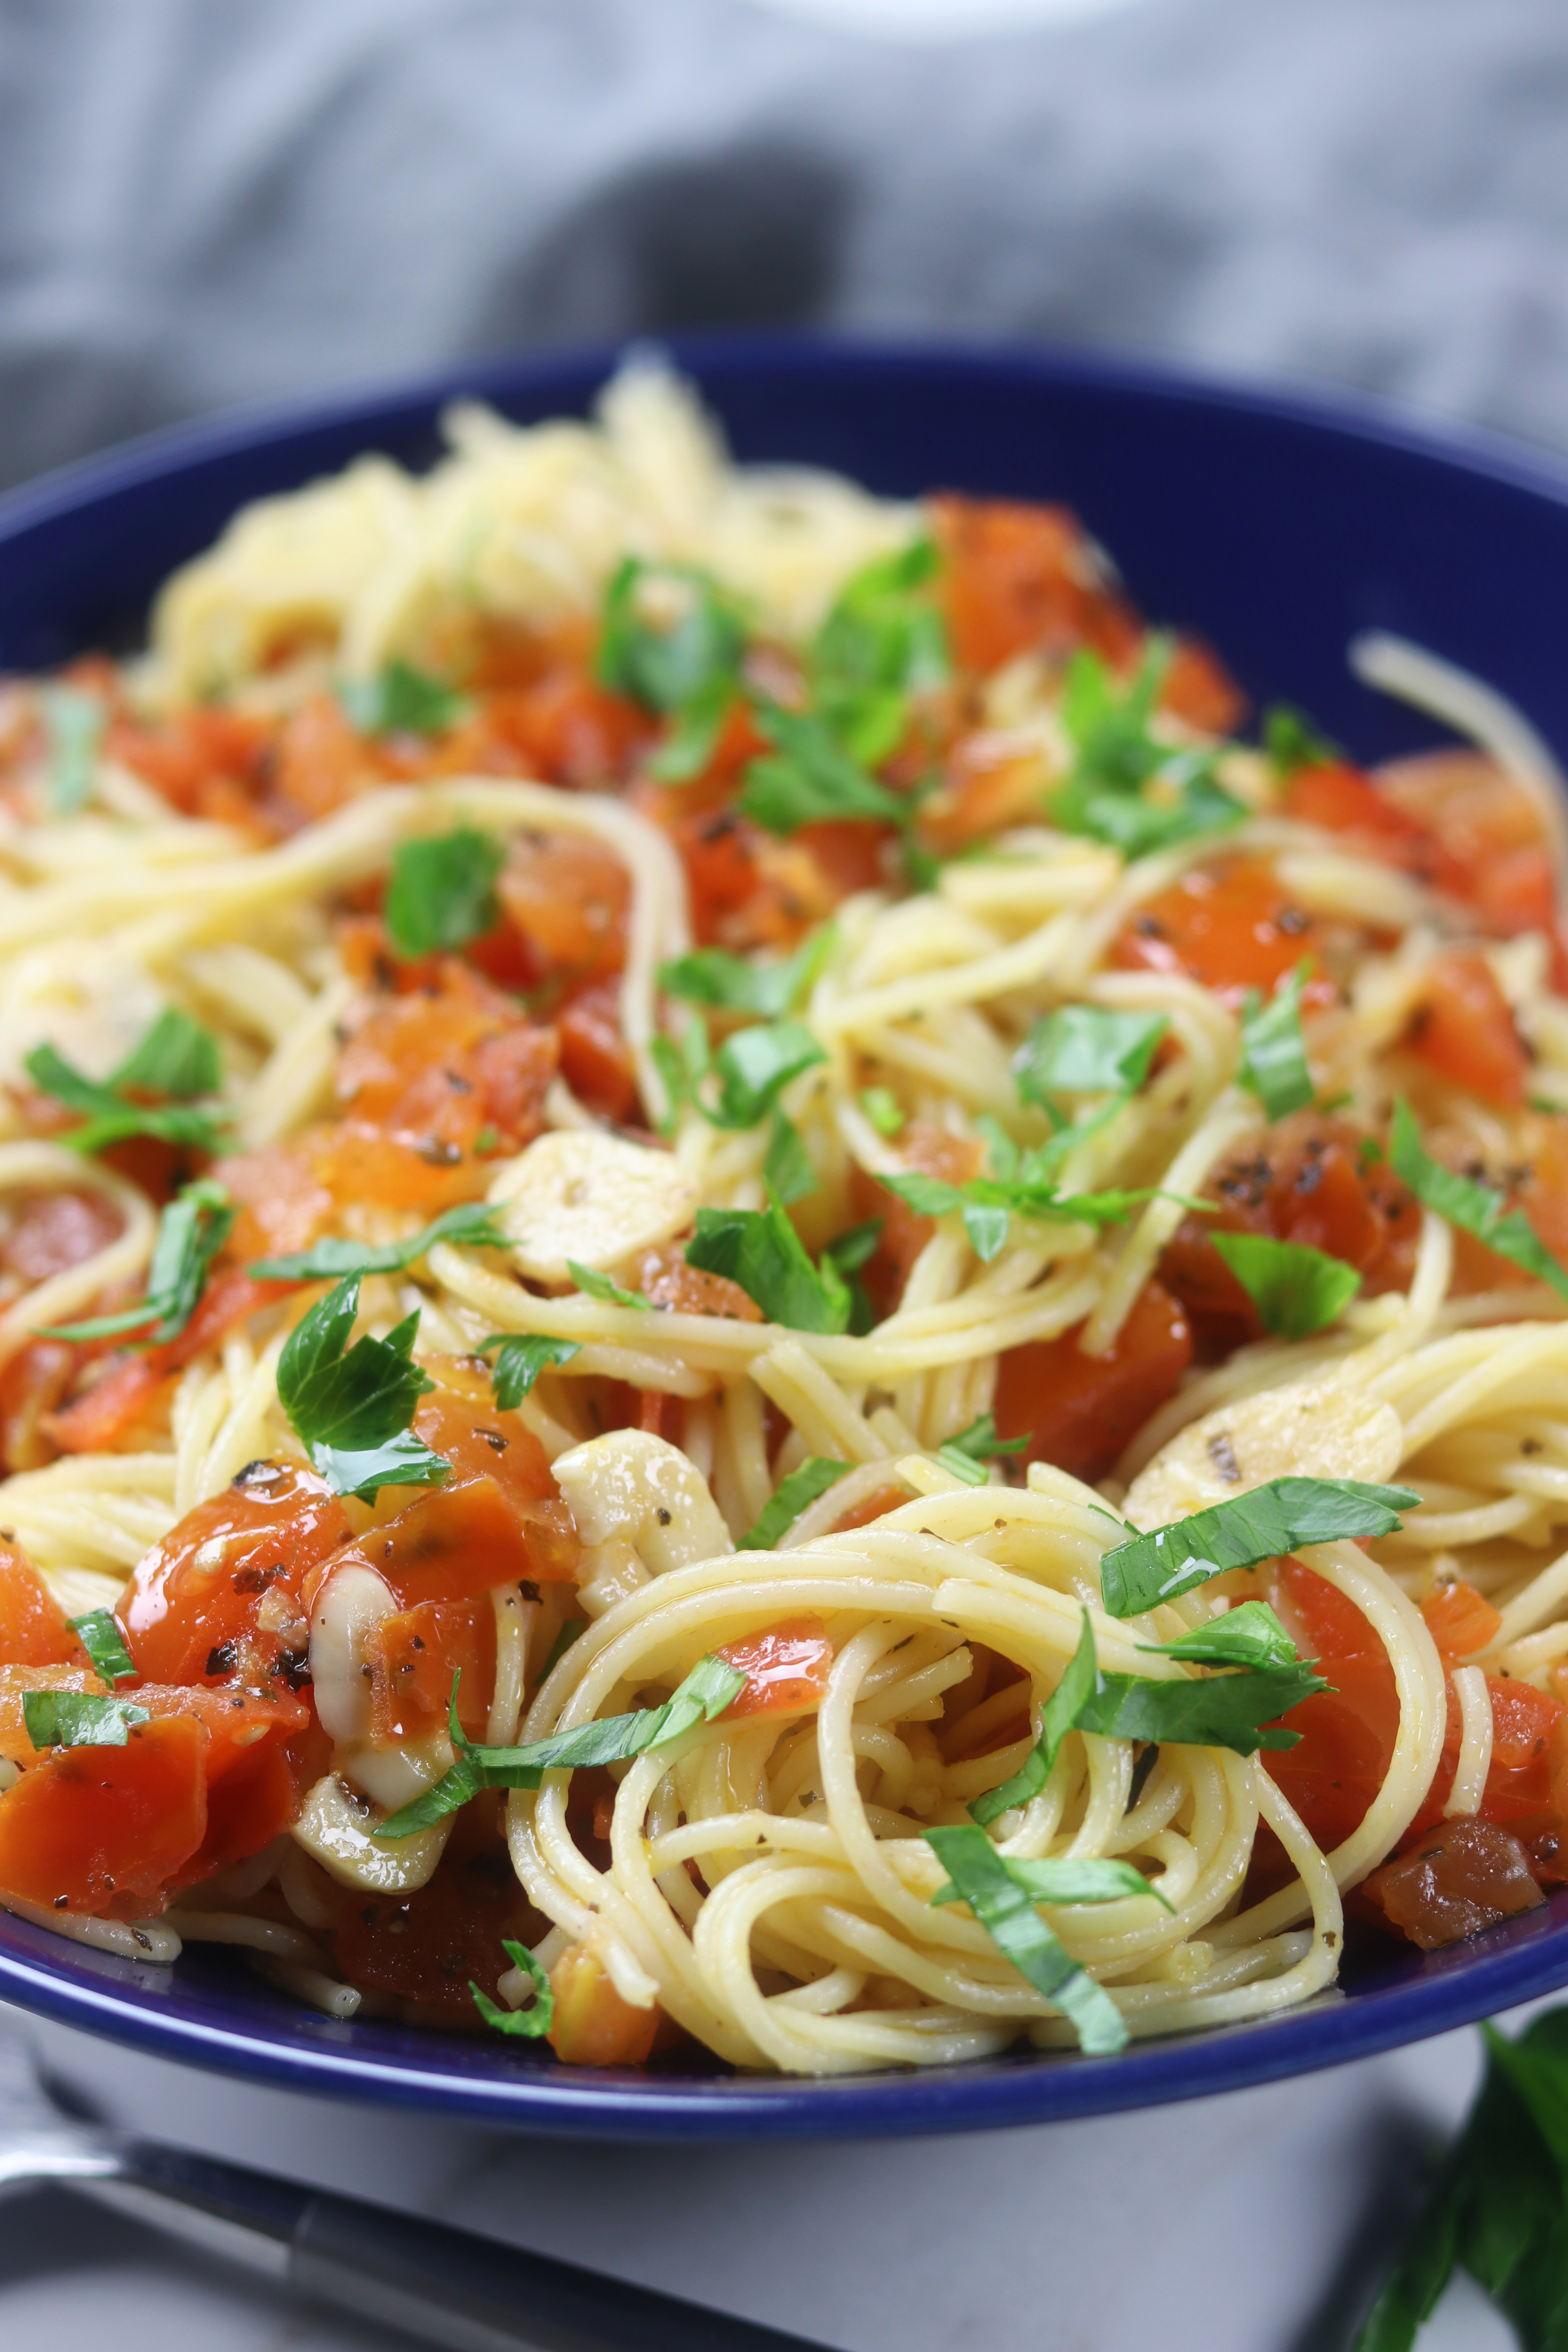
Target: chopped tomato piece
{"points": [[100, 1418], [253, 1802], [1343, 799], [1342, 1758], [51, 1232], [320, 761], [1024, 579], [1464, 1030], [593, 2026], [428, 1071], [1078, 1412], [16, 1681], [877, 1504], [1459, 1619], [929, 1151], [989, 785], [283, 1204], [482, 1443], [664, 1277], [457, 1543], [33, 1387], [568, 729], [1306, 1180], [221, 1594], [207, 761], [1232, 930], [1526, 1729], [411, 1659], [595, 1060], [1199, 690], [1460, 1877], [427, 1948], [103, 1830], [237, 1719], [33, 1628], [786, 1669], [567, 896]]}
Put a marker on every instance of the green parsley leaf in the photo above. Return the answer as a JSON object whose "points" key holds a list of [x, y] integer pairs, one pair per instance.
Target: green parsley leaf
{"points": [[814, 779], [1296, 1289], [1249, 1636], [788, 1169], [1476, 1207], [73, 725], [442, 893], [694, 734], [1273, 1050], [1088, 1049], [682, 1063], [1293, 742], [63, 1718], [884, 1110], [760, 1249], [669, 637], [1071, 1879], [351, 1407], [883, 641], [736, 984], [177, 1058], [528, 2024], [986, 1203], [790, 1498], [1003, 1900], [1125, 788], [1058, 1718], [967, 1454], [191, 1231], [1267, 1522], [522, 1356], [703, 1696], [753, 1067], [472, 1223], [607, 1292], [401, 700], [99, 1635]]}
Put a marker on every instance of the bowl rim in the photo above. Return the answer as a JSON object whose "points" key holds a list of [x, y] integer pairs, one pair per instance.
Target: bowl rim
{"points": [[1515, 1962]]}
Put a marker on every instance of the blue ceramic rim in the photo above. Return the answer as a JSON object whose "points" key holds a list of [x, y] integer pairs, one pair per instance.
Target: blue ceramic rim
{"points": [[1517, 1962]]}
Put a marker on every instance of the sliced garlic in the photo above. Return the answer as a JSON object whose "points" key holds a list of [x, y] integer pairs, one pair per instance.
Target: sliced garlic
{"points": [[352, 1603], [639, 1503], [1317, 1431], [593, 1198], [339, 1830]]}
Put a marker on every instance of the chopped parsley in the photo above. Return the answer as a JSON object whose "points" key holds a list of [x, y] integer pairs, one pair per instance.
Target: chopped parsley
{"points": [[1293, 742], [790, 1498], [1296, 1289], [1273, 1049], [788, 1168], [670, 638], [64, 1718], [1126, 787], [401, 700], [520, 1356], [99, 1635], [526, 2025], [884, 1110], [191, 1231], [176, 1058], [967, 1454], [1475, 1207], [442, 893], [73, 728], [1002, 1895], [608, 1291], [350, 1406], [472, 1223], [883, 641], [1266, 1523], [753, 1067], [735, 983], [811, 779], [760, 1249]]}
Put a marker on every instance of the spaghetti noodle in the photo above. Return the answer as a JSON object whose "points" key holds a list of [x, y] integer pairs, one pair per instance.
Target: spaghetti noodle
{"points": [[648, 1106]]}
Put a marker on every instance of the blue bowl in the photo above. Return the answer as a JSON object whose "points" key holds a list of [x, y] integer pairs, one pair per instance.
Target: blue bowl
{"points": [[1276, 527]]}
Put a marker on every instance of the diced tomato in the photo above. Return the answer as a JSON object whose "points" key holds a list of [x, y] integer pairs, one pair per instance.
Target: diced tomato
{"points": [[320, 761], [595, 1060], [283, 1204], [425, 1947], [1347, 1733], [1459, 1619], [1343, 799], [925, 1150], [431, 1071], [1464, 1030], [455, 1542], [16, 1681], [253, 1802], [1525, 1728], [1306, 1180], [33, 1386], [194, 1608], [1079, 1411], [848, 855], [664, 1278], [989, 785], [1024, 579], [207, 761], [568, 729], [786, 1669], [877, 1504], [467, 1429], [33, 1628], [103, 1830], [1198, 689], [99, 1419], [1543, 1196], [51, 1232], [593, 2026], [567, 895], [1458, 1877], [411, 1659], [237, 1718], [1231, 929]]}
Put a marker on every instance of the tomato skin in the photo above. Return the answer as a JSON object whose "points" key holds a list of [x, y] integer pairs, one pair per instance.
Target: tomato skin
{"points": [[459, 1542], [425, 1947], [190, 1619], [1343, 799], [1459, 1619], [1079, 1411], [786, 1669], [1525, 1728], [1342, 1759], [1464, 1030], [567, 899], [466, 1429], [568, 729], [412, 1658], [1023, 579], [593, 2026], [106, 1828], [32, 1627], [664, 1278], [1198, 689], [247, 1809], [55, 1231], [595, 1060], [429, 1071], [33, 1388], [1231, 929]]}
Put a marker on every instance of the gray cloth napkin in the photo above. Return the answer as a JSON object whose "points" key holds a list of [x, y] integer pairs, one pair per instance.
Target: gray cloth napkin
{"points": [[201, 204]]}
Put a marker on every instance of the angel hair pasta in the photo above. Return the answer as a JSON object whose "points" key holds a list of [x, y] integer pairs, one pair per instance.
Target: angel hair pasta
{"points": [[754, 1291]]}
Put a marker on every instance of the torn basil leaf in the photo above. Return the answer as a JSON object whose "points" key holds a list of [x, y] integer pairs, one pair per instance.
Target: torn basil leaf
{"points": [[1475, 1207], [472, 1223], [760, 1249], [1273, 1049], [191, 1231], [609, 1293], [400, 700], [1003, 1901], [528, 2024], [793, 1495], [811, 779], [64, 1718], [99, 1635], [520, 1356], [1296, 1289], [1267, 1523], [351, 1407], [442, 893]]}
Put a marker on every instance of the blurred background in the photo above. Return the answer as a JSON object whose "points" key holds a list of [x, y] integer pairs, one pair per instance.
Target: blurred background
{"points": [[202, 206]]}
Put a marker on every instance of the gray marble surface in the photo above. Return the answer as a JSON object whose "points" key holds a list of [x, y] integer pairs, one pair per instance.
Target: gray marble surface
{"points": [[1239, 2224]]}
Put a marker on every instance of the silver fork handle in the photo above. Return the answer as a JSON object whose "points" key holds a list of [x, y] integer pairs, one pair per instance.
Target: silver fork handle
{"points": [[463, 2291]]}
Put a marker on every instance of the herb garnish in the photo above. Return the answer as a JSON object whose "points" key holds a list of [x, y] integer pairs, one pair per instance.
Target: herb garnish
{"points": [[73, 723], [191, 1231], [760, 1249], [1266, 1523], [788, 1169], [689, 667], [1023, 1185], [736, 985], [1273, 1050], [351, 1407], [1003, 1894], [1087, 1049], [472, 1223], [967, 1454], [790, 1498], [177, 1058], [704, 1694], [882, 642], [528, 2024], [1293, 742], [604, 1288], [1474, 1206], [520, 1356], [400, 700], [64, 1719], [1296, 1289], [99, 1635], [1126, 787], [442, 892], [884, 1110]]}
